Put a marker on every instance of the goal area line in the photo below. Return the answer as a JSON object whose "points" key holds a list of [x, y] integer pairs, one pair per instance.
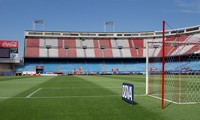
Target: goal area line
{"points": [[185, 103]]}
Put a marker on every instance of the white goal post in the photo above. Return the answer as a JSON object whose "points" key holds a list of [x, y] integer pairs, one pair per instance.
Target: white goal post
{"points": [[180, 71]]}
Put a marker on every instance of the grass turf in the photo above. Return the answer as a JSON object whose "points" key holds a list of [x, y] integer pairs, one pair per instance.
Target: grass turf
{"points": [[83, 98]]}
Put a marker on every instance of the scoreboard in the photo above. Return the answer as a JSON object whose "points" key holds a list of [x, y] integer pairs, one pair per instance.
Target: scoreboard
{"points": [[7, 47], [4, 53]]}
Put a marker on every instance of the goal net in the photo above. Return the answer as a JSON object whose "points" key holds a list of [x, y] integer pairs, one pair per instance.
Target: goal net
{"points": [[180, 70]]}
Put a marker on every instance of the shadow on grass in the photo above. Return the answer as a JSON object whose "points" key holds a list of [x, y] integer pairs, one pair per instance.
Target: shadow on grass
{"points": [[135, 103], [168, 104]]}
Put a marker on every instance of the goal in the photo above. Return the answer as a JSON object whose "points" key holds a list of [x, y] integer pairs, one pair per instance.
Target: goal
{"points": [[173, 71]]}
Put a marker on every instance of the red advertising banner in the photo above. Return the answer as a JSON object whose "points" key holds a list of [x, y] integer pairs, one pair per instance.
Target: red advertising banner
{"points": [[39, 67], [8, 44], [153, 69]]}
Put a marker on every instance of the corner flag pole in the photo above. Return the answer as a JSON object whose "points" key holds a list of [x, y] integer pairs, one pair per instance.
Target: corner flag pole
{"points": [[163, 64]]}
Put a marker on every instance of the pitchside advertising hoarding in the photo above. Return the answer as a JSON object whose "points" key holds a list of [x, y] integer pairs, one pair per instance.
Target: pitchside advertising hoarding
{"points": [[128, 93], [8, 44]]}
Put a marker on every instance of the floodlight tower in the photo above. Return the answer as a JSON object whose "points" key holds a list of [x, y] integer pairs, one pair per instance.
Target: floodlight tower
{"points": [[38, 21], [109, 24]]}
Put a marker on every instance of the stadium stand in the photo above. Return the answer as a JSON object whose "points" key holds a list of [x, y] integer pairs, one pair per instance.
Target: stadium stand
{"points": [[70, 43], [101, 52]]}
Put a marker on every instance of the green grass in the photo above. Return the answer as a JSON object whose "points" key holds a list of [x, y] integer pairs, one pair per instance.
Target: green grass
{"points": [[83, 98]]}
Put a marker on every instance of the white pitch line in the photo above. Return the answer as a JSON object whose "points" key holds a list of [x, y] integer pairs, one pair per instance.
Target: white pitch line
{"points": [[86, 87], [64, 97], [81, 88], [28, 96]]}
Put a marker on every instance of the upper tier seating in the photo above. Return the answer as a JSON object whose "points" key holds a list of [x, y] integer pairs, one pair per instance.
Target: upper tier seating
{"points": [[108, 48]]}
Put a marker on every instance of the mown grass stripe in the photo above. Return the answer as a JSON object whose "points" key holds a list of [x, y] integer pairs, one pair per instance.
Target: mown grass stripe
{"points": [[64, 97]]}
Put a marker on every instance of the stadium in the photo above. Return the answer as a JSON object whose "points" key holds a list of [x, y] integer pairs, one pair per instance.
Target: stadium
{"points": [[100, 53], [78, 75]]}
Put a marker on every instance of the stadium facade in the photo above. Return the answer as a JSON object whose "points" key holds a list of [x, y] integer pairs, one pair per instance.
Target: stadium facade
{"points": [[53, 52]]}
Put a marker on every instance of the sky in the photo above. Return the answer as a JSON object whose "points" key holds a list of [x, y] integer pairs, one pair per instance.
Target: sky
{"points": [[16, 16]]}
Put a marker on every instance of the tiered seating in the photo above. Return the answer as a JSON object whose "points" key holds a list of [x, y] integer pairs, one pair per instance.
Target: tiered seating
{"points": [[114, 43], [98, 53], [71, 52], [43, 52], [52, 42], [194, 64], [138, 42], [193, 49], [105, 43], [53, 52], [106, 47], [27, 67], [80, 52], [108, 53], [70, 66], [90, 53], [105, 65], [88, 42], [110, 65], [126, 53], [135, 67], [194, 38], [42, 42], [140, 52], [96, 43], [62, 52], [78, 43], [139, 45], [123, 42], [133, 52], [116, 53], [177, 38], [172, 50], [95, 67], [157, 65], [32, 52], [51, 67], [70, 43], [32, 42], [181, 38], [130, 42], [154, 48], [60, 43]]}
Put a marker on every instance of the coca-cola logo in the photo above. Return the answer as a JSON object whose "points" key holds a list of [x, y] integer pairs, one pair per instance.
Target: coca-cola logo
{"points": [[12, 44]]}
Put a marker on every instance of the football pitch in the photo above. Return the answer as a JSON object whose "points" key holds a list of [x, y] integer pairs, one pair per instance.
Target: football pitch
{"points": [[84, 98]]}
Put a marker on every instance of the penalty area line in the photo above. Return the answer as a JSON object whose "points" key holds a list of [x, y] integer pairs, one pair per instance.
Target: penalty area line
{"points": [[31, 94]]}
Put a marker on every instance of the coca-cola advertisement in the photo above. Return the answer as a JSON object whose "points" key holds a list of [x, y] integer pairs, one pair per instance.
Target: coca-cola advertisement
{"points": [[8, 44]]}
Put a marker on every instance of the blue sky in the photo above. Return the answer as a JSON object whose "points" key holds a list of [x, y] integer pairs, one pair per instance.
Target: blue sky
{"points": [[16, 16]]}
